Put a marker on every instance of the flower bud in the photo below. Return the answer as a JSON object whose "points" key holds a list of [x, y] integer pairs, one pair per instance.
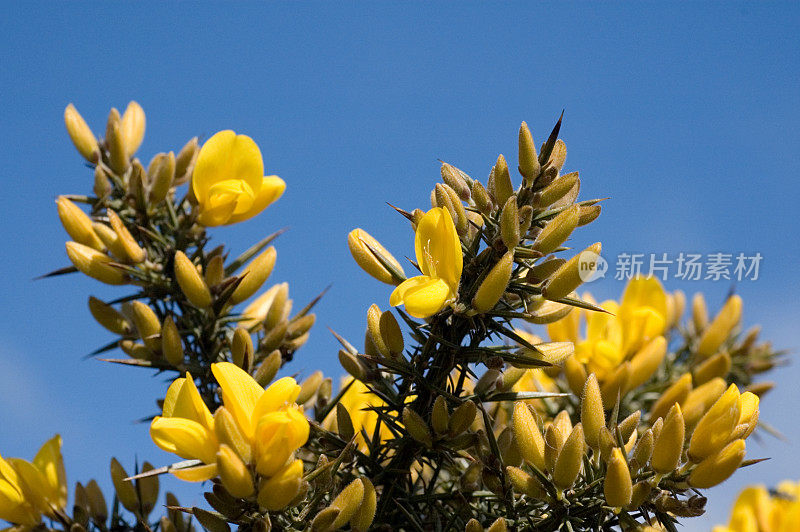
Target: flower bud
{"points": [[454, 179], [110, 240], [718, 365], [575, 372], [607, 443], [568, 277], [700, 400], [570, 458], [615, 384], [643, 450], [212, 522], [161, 173], [97, 502], [617, 486], [699, 313], [524, 483], [77, 224], [118, 157], [323, 521], [391, 334], [374, 258], [509, 223], [365, 513], [558, 189], [668, 445], [440, 417], [416, 427], [275, 336], [718, 467], [192, 284], [242, 348], [171, 342], [462, 418], [503, 189], [553, 441], [528, 159], [473, 526], [374, 330], [184, 161], [268, 368], [279, 490], [557, 230], [714, 429], [254, 275], [108, 317], [81, 135], [592, 413], [133, 252], [676, 393], [215, 271], [447, 198], [278, 308], [722, 326], [529, 438], [300, 326], [309, 387], [588, 214], [126, 493], [499, 525], [487, 382], [352, 365], [147, 324], [94, 264], [132, 127], [135, 350], [481, 198], [102, 186], [646, 361], [234, 473], [494, 285], [348, 503]]}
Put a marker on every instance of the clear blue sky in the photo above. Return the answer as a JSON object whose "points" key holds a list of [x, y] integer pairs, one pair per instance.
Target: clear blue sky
{"points": [[686, 117]]}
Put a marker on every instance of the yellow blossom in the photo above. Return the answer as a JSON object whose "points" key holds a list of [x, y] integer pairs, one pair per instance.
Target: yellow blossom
{"points": [[29, 490], [614, 336], [438, 252], [228, 180], [361, 403]]}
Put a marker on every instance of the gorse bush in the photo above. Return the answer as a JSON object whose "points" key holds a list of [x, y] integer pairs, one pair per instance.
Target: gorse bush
{"points": [[492, 396]]}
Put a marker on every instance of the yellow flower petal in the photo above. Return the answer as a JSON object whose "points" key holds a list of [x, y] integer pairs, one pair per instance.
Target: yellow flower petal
{"points": [[197, 474], [280, 393], [224, 156], [189, 405], [240, 393], [423, 296], [438, 248], [278, 491], [188, 439], [50, 462], [271, 190]]}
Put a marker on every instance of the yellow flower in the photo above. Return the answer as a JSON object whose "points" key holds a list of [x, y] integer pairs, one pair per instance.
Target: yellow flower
{"points": [[361, 403], [616, 336], [228, 180], [186, 428], [438, 252], [268, 427], [756, 510], [29, 490]]}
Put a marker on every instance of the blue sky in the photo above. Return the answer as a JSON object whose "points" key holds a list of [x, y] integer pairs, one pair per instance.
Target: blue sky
{"points": [[686, 117]]}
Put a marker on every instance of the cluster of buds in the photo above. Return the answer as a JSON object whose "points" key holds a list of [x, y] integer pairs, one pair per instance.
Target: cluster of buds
{"points": [[645, 468]]}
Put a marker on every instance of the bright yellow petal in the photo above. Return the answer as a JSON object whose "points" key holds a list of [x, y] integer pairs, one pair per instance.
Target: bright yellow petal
{"points": [[422, 296], [197, 474], [240, 393], [188, 439], [189, 405], [224, 156], [50, 462], [438, 248], [278, 491], [33, 484], [271, 190], [219, 213], [280, 393], [13, 507], [172, 395]]}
